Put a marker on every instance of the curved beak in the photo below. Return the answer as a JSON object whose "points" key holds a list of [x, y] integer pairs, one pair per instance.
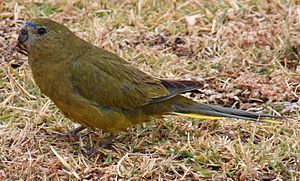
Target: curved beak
{"points": [[22, 42], [22, 38]]}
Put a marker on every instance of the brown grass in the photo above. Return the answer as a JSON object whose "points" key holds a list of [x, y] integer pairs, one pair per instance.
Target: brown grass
{"points": [[247, 51]]}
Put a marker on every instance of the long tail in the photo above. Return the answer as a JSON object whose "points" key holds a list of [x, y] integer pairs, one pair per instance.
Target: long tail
{"points": [[207, 111], [186, 107]]}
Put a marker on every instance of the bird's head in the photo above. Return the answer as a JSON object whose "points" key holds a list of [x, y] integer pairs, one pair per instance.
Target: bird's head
{"points": [[44, 36]]}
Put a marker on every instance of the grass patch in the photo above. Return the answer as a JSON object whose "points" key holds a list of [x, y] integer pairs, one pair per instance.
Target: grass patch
{"points": [[246, 51]]}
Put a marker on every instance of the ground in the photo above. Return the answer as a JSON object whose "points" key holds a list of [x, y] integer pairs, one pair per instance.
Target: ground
{"points": [[246, 51]]}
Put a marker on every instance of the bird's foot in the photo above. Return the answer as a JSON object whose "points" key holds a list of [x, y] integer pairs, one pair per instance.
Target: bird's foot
{"points": [[72, 135], [90, 151], [104, 144], [77, 130], [107, 143]]}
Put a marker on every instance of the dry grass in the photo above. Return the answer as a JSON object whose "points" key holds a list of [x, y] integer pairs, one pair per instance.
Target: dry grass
{"points": [[247, 51]]}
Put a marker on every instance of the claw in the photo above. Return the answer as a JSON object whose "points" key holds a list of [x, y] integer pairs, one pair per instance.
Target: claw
{"points": [[77, 130], [107, 143]]}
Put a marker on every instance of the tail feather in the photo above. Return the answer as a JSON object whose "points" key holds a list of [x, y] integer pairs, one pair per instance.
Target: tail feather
{"points": [[207, 111]]}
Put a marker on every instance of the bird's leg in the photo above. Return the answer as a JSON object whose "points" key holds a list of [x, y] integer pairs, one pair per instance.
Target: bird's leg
{"points": [[77, 130], [108, 141], [105, 144], [73, 133]]}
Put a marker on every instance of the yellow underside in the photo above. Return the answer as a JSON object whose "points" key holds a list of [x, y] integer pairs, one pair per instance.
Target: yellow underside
{"points": [[270, 120], [204, 117], [198, 116]]}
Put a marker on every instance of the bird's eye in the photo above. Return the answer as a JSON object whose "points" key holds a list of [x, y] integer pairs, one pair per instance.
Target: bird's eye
{"points": [[42, 31]]}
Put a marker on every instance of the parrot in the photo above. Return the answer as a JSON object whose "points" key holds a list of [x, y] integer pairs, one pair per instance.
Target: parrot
{"points": [[99, 90]]}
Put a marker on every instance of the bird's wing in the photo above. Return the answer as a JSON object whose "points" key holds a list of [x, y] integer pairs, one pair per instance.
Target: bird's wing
{"points": [[106, 79], [176, 87]]}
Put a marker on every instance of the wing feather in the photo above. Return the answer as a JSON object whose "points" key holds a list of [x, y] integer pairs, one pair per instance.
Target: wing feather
{"points": [[107, 80], [176, 87]]}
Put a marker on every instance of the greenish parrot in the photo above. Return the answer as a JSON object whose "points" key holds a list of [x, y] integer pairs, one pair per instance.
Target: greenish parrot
{"points": [[100, 90]]}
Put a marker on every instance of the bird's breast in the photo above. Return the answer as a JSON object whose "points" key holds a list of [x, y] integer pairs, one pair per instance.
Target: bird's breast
{"points": [[53, 80]]}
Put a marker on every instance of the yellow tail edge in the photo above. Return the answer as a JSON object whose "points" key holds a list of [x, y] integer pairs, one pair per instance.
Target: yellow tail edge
{"points": [[205, 117]]}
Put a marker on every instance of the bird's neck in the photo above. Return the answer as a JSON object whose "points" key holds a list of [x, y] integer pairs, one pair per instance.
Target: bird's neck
{"points": [[50, 66], [53, 53]]}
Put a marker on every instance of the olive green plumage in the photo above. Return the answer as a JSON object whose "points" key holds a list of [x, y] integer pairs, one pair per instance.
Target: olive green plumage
{"points": [[98, 89]]}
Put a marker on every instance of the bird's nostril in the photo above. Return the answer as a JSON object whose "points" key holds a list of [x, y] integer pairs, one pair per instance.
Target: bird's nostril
{"points": [[24, 31]]}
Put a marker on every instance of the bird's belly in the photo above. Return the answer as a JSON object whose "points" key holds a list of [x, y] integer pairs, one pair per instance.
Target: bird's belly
{"points": [[92, 116], [78, 109]]}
